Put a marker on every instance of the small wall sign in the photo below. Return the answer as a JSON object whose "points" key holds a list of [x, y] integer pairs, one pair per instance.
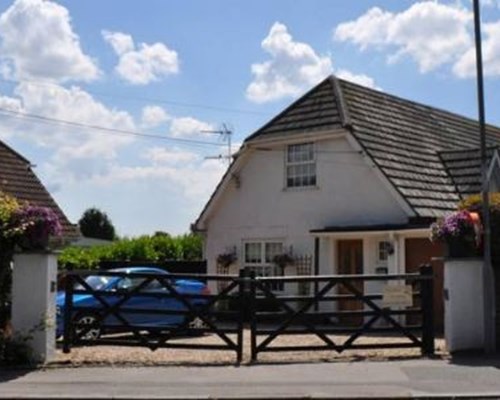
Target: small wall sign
{"points": [[397, 296]]}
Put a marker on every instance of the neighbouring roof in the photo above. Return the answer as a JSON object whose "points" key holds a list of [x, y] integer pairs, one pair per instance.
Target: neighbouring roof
{"points": [[464, 168], [18, 180], [430, 156]]}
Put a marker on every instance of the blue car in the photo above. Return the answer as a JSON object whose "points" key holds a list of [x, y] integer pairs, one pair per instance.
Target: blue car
{"points": [[115, 287]]}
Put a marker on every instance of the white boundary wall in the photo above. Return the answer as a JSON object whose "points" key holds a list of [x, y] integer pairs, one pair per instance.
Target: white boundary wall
{"points": [[463, 315], [34, 302]]}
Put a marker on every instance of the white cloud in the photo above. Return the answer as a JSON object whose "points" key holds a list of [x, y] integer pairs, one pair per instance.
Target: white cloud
{"points": [[71, 104], [193, 179], [10, 103], [360, 79], [121, 42], [430, 33], [293, 67], [153, 116], [165, 156], [38, 42], [466, 66], [143, 64], [75, 152], [188, 126]]}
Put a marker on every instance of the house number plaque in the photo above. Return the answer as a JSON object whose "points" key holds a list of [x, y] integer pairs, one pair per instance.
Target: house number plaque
{"points": [[397, 296]]}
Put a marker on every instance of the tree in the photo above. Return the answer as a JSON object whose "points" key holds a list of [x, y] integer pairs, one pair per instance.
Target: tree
{"points": [[96, 224]]}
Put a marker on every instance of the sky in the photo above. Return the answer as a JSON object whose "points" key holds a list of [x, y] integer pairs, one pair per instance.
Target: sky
{"points": [[112, 100]]}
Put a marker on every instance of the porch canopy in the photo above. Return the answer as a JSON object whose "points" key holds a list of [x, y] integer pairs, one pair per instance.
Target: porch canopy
{"points": [[420, 227]]}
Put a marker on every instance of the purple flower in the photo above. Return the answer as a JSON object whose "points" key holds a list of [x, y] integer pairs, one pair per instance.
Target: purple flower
{"points": [[34, 225], [456, 225]]}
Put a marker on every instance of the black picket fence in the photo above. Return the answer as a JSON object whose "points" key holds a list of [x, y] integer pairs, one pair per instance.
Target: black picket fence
{"points": [[338, 312]]}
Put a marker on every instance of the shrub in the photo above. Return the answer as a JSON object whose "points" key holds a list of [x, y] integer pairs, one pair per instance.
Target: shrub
{"points": [[143, 248]]}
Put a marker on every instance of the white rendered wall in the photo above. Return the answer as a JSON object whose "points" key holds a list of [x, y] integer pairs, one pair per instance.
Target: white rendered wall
{"points": [[463, 306], [348, 192], [33, 302]]}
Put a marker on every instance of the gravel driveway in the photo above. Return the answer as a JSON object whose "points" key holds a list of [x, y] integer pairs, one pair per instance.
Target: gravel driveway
{"points": [[134, 356]]}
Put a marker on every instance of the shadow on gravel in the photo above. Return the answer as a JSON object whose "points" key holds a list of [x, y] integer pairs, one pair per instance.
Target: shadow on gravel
{"points": [[245, 363], [12, 373], [475, 359]]}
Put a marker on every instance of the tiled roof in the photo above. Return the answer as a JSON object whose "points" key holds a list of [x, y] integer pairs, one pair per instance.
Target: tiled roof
{"points": [[18, 180], [420, 149], [316, 110]]}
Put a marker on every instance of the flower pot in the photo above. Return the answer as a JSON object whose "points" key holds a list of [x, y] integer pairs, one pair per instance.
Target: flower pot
{"points": [[34, 243], [461, 248]]}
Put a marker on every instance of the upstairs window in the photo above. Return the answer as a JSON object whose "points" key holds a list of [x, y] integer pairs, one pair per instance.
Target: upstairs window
{"points": [[300, 165]]}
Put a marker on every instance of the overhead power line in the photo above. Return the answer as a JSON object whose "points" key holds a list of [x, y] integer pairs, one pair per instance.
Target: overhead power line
{"points": [[146, 99], [56, 121]]}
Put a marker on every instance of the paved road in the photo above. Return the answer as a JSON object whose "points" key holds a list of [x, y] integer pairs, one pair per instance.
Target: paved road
{"points": [[393, 379]]}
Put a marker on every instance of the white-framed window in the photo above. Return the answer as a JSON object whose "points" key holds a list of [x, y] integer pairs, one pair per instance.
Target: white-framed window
{"points": [[384, 249], [258, 257], [300, 165]]}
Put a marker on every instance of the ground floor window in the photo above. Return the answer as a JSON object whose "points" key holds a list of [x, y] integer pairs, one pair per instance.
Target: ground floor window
{"points": [[258, 257]]}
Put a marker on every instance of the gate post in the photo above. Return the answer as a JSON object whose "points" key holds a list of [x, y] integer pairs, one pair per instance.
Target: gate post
{"points": [[34, 303], [427, 300], [68, 312], [241, 314], [252, 309]]}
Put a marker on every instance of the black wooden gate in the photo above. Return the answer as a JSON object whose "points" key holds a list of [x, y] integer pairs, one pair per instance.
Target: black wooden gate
{"points": [[88, 309], [303, 318]]}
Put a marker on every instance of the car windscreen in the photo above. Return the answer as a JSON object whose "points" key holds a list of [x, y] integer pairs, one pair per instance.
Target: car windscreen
{"points": [[95, 282]]}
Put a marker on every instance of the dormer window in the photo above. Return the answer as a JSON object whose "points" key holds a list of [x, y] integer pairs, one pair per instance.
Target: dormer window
{"points": [[300, 165]]}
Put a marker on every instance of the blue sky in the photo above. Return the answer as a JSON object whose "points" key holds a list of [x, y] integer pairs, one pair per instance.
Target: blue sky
{"points": [[174, 69]]}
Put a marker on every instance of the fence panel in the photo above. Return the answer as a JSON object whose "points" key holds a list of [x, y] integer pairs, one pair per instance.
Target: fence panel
{"points": [[154, 310], [299, 315]]}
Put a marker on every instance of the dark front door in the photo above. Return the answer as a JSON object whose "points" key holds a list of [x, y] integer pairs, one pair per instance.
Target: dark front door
{"points": [[350, 262], [422, 251]]}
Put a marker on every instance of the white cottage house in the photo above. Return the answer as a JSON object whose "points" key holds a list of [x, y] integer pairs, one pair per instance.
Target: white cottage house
{"points": [[349, 175]]}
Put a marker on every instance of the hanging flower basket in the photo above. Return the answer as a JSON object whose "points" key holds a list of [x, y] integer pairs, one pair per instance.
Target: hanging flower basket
{"points": [[226, 259], [283, 260], [461, 232]]}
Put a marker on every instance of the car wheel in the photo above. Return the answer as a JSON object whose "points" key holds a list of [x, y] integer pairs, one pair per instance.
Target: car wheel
{"points": [[82, 331]]}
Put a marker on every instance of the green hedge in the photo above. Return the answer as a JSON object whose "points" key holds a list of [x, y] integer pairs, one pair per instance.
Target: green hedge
{"points": [[143, 248]]}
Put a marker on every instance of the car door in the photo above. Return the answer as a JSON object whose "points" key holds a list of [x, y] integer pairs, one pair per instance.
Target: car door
{"points": [[155, 296], [141, 301]]}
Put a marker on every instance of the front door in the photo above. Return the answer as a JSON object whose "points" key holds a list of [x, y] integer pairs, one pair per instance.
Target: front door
{"points": [[350, 262], [422, 251]]}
